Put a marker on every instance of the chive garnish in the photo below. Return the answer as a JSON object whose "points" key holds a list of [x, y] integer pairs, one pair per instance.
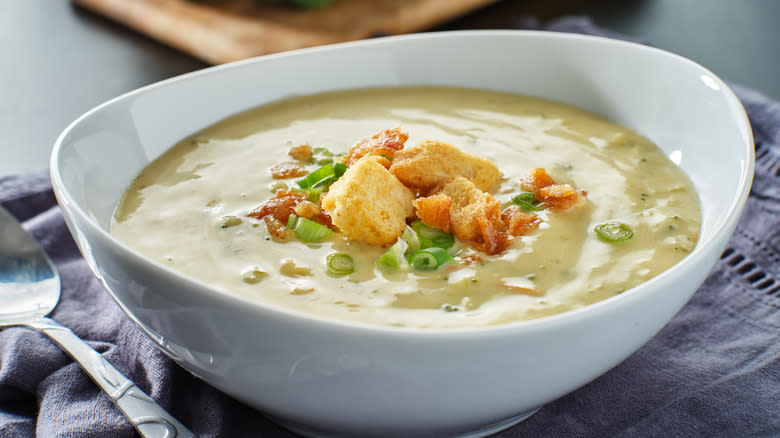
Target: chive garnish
{"points": [[526, 201], [309, 231], [340, 264], [429, 259], [394, 257], [613, 232], [324, 176], [432, 237]]}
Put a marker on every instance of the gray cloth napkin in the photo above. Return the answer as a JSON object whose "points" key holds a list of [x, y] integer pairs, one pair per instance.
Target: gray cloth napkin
{"points": [[713, 371]]}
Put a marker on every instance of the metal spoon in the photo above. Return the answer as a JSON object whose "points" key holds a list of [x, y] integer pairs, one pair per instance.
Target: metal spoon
{"points": [[29, 290]]}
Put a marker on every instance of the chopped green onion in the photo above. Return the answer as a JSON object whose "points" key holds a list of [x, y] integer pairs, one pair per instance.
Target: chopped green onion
{"points": [[613, 232], [340, 264], [429, 259], [339, 169], [394, 257], [309, 231], [412, 240], [324, 182], [322, 151], [323, 176], [432, 237], [526, 201], [314, 195], [291, 221]]}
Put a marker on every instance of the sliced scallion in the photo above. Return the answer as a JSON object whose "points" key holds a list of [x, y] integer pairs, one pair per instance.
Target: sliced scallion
{"points": [[322, 151], [432, 237], [394, 257], [340, 264], [323, 176], [309, 231], [613, 232], [429, 259], [291, 221], [412, 240], [314, 194]]}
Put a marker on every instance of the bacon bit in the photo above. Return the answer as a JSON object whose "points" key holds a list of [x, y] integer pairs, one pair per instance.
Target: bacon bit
{"points": [[277, 229], [301, 153], [281, 205], [471, 259], [513, 289], [312, 211], [494, 241], [560, 196], [384, 143], [554, 196], [518, 222], [287, 169], [434, 211], [536, 180]]}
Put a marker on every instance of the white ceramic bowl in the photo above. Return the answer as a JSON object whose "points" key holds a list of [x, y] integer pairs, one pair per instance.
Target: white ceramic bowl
{"points": [[327, 377]]}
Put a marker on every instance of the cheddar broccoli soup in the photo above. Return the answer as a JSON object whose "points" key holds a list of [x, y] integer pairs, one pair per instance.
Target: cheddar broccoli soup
{"points": [[414, 207]]}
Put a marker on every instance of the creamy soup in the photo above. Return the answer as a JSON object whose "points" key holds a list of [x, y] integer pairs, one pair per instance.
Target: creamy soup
{"points": [[189, 209]]}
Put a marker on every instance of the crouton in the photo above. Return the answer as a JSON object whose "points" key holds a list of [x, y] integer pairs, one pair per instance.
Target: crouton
{"points": [[385, 143], [368, 204], [475, 215], [428, 164]]}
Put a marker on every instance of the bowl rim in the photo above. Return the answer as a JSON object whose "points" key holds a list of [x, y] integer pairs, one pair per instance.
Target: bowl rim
{"points": [[724, 224]]}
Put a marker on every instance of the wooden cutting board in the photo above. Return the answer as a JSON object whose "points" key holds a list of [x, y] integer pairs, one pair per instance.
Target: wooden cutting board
{"points": [[219, 31]]}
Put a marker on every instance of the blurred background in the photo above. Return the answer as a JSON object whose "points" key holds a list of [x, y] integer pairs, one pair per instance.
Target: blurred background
{"points": [[60, 59]]}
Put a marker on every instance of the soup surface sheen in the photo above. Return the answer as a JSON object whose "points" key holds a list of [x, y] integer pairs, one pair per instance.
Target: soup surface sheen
{"points": [[174, 212]]}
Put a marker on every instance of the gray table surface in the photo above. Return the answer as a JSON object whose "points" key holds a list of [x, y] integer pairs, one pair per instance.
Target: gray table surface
{"points": [[59, 60]]}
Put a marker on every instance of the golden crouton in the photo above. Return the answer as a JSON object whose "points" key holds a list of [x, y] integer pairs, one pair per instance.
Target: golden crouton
{"points": [[368, 204], [428, 164]]}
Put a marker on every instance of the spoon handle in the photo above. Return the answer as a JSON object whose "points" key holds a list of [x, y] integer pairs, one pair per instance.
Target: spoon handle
{"points": [[148, 418]]}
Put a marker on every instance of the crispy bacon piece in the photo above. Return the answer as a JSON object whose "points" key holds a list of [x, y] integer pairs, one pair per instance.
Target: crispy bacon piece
{"points": [[312, 211], [276, 228], [434, 211], [490, 224], [536, 180], [554, 196], [301, 152], [560, 196], [514, 289], [384, 143], [276, 212], [472, 259], [475, 216], [517, 222], [287, 169], [281, 205]]}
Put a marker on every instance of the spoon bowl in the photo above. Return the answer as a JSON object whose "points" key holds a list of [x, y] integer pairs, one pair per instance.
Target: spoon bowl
{"points": [[30, 290]]}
